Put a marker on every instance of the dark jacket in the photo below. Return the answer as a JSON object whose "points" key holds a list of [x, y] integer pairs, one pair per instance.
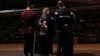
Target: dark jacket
{"points": [[64, 17], [49, 22]]}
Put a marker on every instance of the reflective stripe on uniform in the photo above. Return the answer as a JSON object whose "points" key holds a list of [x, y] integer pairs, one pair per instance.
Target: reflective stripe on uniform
{"points": [[56, 13], [64, 16]]}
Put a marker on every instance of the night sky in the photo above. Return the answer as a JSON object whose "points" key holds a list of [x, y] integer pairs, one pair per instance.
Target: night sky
{"points": [[12, 4], [20, 4]]}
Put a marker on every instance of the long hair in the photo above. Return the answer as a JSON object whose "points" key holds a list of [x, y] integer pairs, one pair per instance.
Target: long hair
{"points": [[43, 23], [44, 11]]}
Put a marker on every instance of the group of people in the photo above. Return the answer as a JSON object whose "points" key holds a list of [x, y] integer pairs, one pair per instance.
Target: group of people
{"points": [[60, 25]]}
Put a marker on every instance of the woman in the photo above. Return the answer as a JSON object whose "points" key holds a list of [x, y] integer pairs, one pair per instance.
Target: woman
{"points": [[46, 23]]}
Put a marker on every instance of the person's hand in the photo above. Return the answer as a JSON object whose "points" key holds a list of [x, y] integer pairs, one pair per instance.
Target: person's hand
{"points": [[44, 25]]}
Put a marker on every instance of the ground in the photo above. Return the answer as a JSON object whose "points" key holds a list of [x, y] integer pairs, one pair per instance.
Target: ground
{"points": [[79, 49]]}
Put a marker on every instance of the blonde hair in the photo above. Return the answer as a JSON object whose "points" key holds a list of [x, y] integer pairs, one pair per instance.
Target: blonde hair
{"points": [[44, 11]]}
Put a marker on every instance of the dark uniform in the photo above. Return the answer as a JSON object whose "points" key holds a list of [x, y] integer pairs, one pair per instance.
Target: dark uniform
{"points": [[46, 35], [28, 19], [64, 22]]}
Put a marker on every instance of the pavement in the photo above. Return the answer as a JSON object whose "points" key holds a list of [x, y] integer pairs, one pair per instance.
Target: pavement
{"points": [[79, 50], [13, 50]]}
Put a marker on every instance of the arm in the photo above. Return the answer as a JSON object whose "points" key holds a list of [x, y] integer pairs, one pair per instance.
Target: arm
{"points": [[56, 16], [23, 19], [72, 19], [42, 22]]}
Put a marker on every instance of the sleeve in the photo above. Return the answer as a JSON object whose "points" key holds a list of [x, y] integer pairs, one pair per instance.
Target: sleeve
{"points": [[52, 21], [23, 18], [34, 20], [72, 19], [56, 16], [56, 19], [53, 25], [40, 20]]}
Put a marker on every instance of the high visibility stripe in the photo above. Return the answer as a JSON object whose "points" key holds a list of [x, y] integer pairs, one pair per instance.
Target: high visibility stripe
{"points": [[64, 16]]}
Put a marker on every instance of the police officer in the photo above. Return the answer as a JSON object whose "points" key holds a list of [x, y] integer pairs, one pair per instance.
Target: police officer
{"points": [[64, 21], [28, 18]]}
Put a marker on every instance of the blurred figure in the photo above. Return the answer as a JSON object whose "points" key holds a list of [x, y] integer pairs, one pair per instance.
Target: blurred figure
{"points": [[46, 23], [28, 18], [64, 19]]}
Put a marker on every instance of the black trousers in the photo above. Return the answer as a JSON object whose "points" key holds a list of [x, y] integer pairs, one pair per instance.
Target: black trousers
{"points": [[65, 42], [45, 45], [28, 44]]}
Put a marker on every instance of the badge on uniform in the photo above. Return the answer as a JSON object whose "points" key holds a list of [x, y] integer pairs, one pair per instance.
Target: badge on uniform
{"points": [[56, 12]]}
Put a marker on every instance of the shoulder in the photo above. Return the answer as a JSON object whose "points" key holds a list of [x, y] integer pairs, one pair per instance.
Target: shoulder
{"points": [[72, 13], [31, 12], [51, 18], [42, 17], [23, 11], [56, 11]]}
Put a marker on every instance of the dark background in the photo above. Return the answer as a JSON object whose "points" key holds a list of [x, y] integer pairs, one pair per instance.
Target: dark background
{"points": [[21, 4], [87, 27]]}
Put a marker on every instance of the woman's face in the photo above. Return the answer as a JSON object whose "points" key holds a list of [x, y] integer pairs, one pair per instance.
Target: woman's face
{"points": [[48, 12]]}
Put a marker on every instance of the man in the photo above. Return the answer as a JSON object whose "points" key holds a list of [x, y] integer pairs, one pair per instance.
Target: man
{"points": [[28, 18], [64, 19]]}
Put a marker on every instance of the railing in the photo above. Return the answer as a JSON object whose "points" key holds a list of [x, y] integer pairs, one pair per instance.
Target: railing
{"points": [[87, 22]]}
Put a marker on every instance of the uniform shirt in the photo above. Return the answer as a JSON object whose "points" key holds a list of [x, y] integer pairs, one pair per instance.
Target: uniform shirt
{"points": [[64, 17]]}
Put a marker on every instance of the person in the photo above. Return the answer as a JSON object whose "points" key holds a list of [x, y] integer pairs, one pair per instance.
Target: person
{"points": [[28, 18], [46, 23], [65, 20]]}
